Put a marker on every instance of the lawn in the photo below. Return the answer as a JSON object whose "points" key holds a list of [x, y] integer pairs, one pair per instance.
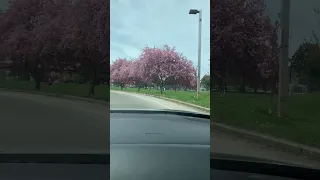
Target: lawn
{"points": [[186, 96], [250, 111], [81, 90]]}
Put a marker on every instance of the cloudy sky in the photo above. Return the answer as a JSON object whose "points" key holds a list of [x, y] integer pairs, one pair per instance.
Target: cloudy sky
{"points": [[303, 20], [136, 23]]}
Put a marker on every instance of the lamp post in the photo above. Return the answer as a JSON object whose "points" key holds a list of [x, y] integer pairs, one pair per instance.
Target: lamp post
{"points": [[195, 11]]}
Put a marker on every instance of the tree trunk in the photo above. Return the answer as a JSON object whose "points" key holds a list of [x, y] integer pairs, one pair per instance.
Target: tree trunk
{"points": [[161, 89], [242, 88], [273, 91], [223, 86], [37, 78], [93, 84], [92, 88], [271, 103], [37, 83]]}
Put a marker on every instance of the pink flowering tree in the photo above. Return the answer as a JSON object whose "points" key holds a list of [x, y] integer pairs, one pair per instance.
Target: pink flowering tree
{"points": [[244, 42], [87, 34], [26, 34], [120, 72], [160, 65], [137, 75], [186, 74]]}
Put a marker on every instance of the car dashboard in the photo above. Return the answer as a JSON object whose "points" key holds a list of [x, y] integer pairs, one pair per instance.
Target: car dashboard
{"points": [[231, 167], [55, 166], [47, 171]]}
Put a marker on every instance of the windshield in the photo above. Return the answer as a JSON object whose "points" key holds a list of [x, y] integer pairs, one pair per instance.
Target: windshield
{"points": [[253, 65], [265, 74], [154, 63]]}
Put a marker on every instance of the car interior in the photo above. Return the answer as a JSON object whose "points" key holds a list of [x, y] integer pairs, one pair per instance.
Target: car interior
{"points": [[55, 166], [230, 169]]}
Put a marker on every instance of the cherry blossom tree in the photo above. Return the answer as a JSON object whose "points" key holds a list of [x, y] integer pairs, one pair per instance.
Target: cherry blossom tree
{"points": [[160, 65], [120, 72], [87, 34], [21, 20], [186, 75], [31, 32], [244, 40], [136, 75]]}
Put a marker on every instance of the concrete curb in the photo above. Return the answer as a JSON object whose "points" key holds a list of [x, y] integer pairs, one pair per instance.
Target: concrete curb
{"points": [[59, 95], [172, 100], [275, 143]]}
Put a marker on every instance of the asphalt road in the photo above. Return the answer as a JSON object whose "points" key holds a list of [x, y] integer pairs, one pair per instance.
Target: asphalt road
{"points": [[124, 100], [36, 123], [220, 142], [40, 124]]}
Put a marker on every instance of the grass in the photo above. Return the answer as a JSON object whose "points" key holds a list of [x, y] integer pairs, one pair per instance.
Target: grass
{"points": [[185, 96], [80, 90], [250, 111]]}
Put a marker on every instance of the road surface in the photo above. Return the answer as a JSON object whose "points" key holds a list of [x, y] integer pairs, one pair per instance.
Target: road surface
{"points": [[36, 123], [40, 124], [124, 100], [220, 142]]}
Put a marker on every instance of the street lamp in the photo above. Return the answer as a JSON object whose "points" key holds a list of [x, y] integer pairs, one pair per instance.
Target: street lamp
{"points": [[195, 11]]}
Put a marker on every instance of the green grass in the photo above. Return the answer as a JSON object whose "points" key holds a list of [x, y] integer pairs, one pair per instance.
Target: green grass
{"points": [[185, 96], [250, 111], [102, 92]]}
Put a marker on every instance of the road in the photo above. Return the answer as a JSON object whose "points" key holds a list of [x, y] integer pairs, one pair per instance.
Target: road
{"points": [[123, 100], [220, 142], [36, 123], [40, 124]]}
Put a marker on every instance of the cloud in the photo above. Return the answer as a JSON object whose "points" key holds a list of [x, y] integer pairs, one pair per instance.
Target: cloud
{"points": [[137, 23]]}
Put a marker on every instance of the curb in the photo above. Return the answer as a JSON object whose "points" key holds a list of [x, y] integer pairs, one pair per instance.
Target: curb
{"points": [[172, 100], [275, 143], [59, 95]]}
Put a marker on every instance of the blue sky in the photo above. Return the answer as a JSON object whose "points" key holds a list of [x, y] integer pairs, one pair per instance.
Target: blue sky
{"points": [[136, 23]]}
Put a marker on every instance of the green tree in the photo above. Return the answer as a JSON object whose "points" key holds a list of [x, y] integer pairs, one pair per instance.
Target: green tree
{"points": [[306, 63], [205, 81]]}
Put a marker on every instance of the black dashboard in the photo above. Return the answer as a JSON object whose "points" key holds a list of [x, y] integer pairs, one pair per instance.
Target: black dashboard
{"points": [[97, 166], [231, 167], [231, 175], [33, 171]]}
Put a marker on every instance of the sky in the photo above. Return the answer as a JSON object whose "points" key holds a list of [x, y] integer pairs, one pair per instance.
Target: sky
{"points": [[137, 23], [303, 20]]}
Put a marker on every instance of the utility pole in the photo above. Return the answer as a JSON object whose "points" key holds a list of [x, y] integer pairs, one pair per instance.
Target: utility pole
{"points": [[199, 52], [194, 11], [283, 58]]}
